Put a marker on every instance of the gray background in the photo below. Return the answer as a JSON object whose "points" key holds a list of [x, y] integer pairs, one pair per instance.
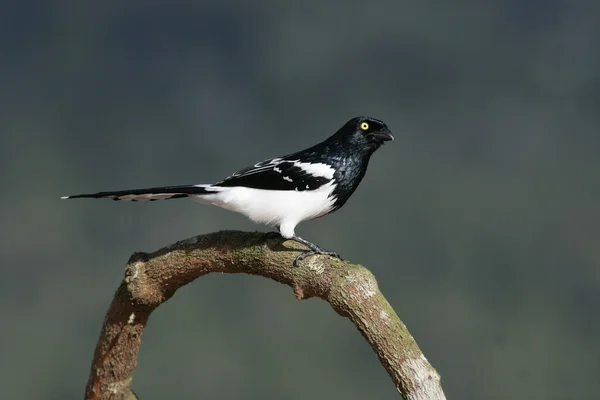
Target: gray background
{"points": [[481, 221]]}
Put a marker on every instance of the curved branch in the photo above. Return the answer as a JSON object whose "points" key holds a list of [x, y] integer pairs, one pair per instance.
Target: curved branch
{"points": [[351, 290]]}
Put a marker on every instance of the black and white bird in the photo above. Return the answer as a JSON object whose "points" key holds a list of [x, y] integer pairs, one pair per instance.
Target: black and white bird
{"points": [[285, 191]]}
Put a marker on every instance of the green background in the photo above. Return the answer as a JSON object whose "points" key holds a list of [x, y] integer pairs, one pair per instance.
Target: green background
{"points": [[481, 221]]}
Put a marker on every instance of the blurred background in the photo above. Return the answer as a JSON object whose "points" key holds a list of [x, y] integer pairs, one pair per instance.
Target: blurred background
{"points": [[481, 221]]}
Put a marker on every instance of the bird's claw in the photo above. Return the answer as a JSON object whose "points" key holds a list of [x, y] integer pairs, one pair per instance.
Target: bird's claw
{"points": [[309, 253]]}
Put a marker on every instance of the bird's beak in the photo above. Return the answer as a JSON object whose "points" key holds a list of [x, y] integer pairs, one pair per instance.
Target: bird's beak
{"points": [[384, 135]]}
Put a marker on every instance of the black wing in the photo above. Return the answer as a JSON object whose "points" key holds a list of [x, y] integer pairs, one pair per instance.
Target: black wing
{"points": [[275, 174]]}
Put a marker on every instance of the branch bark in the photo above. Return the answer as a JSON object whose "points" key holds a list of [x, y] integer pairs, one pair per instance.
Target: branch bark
{"points": [[351, 290]]}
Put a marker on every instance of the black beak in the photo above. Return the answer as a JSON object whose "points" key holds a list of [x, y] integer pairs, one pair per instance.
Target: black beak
{"points": [[384, 135]]}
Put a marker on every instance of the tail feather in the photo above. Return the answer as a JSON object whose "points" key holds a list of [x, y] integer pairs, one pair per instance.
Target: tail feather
{"points": [[156, 193]]}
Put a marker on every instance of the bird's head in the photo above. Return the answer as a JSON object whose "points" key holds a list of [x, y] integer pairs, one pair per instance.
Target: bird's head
{"points": [[365, 132]]}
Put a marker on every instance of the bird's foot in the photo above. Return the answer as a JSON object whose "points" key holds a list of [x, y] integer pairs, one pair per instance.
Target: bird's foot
{"points": [[309, 253], [314, 250]]}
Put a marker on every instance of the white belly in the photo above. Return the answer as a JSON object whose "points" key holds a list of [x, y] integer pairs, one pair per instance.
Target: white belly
{"points": [[273, 207]]}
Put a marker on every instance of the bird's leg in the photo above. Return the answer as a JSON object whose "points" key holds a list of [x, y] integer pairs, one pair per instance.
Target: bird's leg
{"points": [[314, 249]]}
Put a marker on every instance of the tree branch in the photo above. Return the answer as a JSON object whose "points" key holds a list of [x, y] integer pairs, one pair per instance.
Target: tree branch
{"points": [[351, 290]]}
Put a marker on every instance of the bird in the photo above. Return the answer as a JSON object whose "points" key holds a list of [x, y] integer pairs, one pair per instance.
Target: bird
{"points": [[286, 190]]}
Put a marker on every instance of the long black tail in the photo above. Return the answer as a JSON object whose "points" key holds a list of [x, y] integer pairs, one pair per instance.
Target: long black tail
{"points": [[152, 194]]}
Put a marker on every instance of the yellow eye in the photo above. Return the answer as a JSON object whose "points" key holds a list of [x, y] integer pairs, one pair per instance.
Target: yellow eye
{"points": [[364, 126]]}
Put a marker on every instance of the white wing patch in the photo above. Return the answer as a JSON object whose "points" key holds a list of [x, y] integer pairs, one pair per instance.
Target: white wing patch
{"points": [[316, 169]]}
